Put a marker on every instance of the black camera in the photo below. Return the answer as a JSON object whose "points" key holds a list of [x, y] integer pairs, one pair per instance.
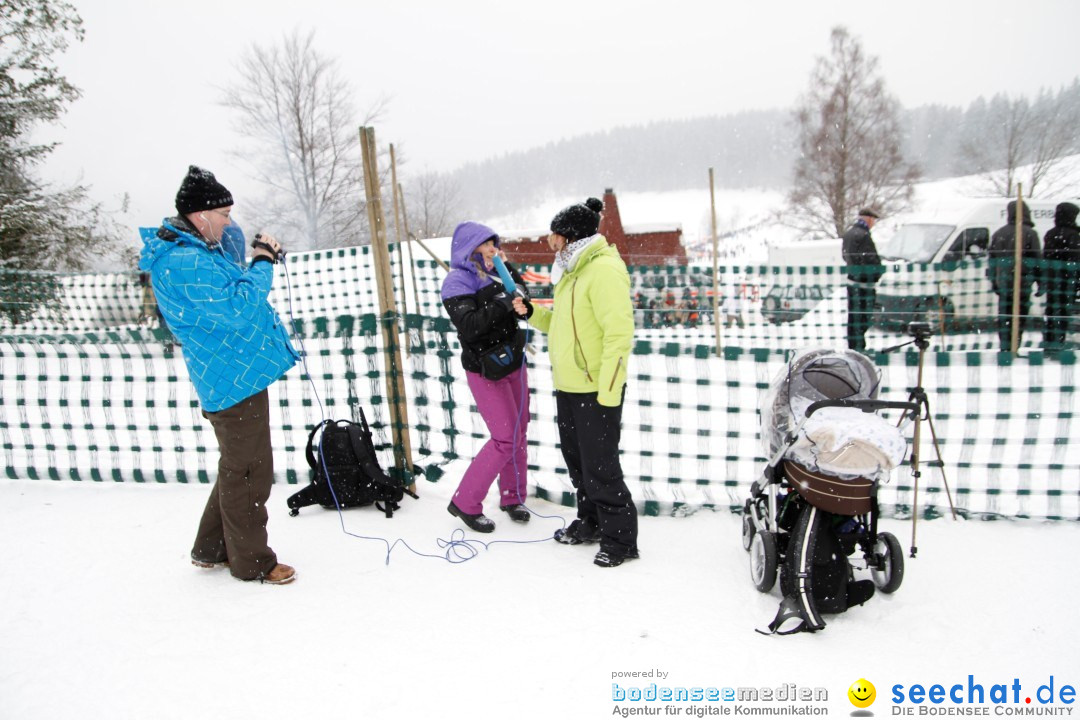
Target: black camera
{"points": [[258, 243], [920, 330]]}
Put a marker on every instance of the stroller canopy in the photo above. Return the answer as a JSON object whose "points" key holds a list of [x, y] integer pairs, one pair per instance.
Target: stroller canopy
{"points": [[844, 442]]}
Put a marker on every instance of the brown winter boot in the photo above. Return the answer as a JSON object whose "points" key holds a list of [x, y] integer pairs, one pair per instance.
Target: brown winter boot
{"points": [[280, 575], [209, 564]]}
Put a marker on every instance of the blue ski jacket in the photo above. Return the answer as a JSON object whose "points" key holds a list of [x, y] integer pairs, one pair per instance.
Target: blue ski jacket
{"points": [[233, 342]]}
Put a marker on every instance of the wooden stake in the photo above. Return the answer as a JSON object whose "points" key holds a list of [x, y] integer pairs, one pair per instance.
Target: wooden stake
{"points": [[1017, 255], [429, 251], [400, 252], [395, 377], [412, 261], [715, 264]]}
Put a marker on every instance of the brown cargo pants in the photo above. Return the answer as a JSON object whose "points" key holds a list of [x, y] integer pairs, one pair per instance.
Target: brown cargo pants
{"points": [[233, 525]]}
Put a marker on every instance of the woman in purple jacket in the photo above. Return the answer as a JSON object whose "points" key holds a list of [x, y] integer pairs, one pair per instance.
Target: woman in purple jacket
{"points": [[492, 353]]}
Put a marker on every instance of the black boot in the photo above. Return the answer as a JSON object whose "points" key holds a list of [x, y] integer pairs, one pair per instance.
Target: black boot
{"points": [[578, 533], [518, 512], [614, 558], [478, 522]]}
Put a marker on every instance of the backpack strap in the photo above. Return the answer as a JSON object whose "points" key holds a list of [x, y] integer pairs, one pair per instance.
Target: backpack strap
{"points": [[368, 466], [790, 619], [310, 439]]}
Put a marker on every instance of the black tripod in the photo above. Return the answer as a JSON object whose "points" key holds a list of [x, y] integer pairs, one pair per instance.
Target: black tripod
{"points": [[918, 397]]}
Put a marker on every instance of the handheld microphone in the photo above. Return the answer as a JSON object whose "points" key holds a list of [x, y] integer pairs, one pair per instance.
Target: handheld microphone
{"points": [[504, 275]]}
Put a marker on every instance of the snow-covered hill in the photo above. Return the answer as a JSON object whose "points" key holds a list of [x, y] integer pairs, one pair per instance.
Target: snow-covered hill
{"points": [[748, 219]]}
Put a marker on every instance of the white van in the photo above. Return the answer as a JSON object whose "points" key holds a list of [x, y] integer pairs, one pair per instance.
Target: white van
{"points": [[799, 275], [936, 262]]}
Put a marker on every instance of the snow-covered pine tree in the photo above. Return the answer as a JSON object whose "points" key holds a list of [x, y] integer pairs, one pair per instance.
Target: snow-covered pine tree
{"points": [[41, 227]]}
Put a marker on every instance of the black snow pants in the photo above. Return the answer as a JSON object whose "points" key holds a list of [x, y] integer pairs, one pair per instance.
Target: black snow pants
{"points": [[589, 435]]}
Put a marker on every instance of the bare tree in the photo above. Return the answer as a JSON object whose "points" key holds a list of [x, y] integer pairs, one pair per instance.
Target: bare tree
{"points": [[298, 112], [434, 205], [849, 136], [1007, 136]]}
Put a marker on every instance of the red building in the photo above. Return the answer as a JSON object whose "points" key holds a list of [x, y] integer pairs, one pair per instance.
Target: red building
{"points": [[639, 245]]}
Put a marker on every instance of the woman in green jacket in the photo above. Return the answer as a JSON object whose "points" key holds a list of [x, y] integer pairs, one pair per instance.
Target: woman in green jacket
{"points": [[590, 332]]}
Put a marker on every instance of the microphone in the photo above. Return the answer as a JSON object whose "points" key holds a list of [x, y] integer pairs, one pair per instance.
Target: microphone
{"points": [[504, 275]]}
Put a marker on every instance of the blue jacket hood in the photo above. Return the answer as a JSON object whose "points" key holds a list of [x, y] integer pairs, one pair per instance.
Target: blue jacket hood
{"points": [[160, 241]]}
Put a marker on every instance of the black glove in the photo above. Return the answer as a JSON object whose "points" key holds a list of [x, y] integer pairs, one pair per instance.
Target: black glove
{"points": [[258, 243]]}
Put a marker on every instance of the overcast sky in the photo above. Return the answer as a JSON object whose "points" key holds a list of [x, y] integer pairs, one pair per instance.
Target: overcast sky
{"points": [[470, 79]]}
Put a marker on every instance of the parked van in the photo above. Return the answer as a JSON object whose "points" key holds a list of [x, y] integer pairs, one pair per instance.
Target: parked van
{"points": [[936, 263], [799, 276]]}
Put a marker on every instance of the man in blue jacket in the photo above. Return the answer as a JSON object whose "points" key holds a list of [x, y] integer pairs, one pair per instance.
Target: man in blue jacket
{"points": [[235, 346]]}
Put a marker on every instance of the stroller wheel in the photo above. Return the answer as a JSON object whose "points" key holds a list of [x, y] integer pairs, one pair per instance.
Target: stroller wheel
{"points": [[887, 565], [763, 560], [748, 528]]}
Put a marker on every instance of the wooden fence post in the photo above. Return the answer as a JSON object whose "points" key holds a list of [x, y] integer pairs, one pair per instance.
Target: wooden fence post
{"points": [[384, 280], [715, 264], [1018, 252], [400, 252], [412, 261]]}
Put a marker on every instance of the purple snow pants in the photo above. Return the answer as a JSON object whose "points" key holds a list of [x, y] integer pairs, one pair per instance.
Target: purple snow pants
{"points": [[504, 405]]}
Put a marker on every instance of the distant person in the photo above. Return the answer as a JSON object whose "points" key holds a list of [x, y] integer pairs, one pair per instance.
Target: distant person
{"points": [[492, 353], [731, 309], [864, 269], [1061, 250], [1002, 258], [233, 244], [590, 334], [234, 346]]}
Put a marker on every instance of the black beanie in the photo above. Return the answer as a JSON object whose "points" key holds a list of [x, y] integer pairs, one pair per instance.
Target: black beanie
{"points": [[201, 191], [578, 221]]}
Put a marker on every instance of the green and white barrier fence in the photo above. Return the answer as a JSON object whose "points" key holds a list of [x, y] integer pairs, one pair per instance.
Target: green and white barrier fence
{"points": [[116, 405]]}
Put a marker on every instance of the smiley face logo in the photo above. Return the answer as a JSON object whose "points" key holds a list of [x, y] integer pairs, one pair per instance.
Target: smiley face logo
{"points": [[862, 693]]}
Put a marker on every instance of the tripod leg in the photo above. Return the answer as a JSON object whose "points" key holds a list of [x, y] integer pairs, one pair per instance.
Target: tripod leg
{"points": [[915, 473], [937, 449]]}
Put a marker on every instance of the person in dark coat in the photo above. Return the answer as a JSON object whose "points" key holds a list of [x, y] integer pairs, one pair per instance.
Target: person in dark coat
{"points": [[492, 354], [1000, 270], [864, 269], [1061, 251]]}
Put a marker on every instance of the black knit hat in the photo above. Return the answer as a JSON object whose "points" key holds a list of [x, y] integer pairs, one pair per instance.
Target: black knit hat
{"points": [[201, 191], [578, 221]]}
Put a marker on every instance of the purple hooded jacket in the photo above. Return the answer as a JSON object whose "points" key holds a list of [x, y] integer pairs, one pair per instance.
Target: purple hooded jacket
{"points": [[478, 305], [464, 278]]}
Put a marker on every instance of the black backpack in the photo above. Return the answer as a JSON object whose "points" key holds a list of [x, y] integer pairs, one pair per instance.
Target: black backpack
{"points": [[346, 456]]}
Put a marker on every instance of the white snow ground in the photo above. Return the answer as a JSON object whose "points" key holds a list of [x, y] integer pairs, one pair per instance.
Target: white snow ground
{"points": [[102, 616]]}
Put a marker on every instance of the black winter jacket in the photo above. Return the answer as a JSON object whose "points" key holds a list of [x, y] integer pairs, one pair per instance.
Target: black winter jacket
{"points": [[1061, 249], [485, 320], [861, 255], [1003, 254]]}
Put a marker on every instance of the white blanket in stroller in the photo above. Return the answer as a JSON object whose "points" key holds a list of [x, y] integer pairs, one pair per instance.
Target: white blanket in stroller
{"points": [[848, 443]]}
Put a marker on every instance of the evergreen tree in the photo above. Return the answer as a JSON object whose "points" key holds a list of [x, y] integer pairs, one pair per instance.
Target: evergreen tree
{"points": [[41, 227]]}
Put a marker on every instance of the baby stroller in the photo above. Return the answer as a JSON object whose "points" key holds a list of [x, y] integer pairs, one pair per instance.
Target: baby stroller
{"points": [[816, 502]]}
